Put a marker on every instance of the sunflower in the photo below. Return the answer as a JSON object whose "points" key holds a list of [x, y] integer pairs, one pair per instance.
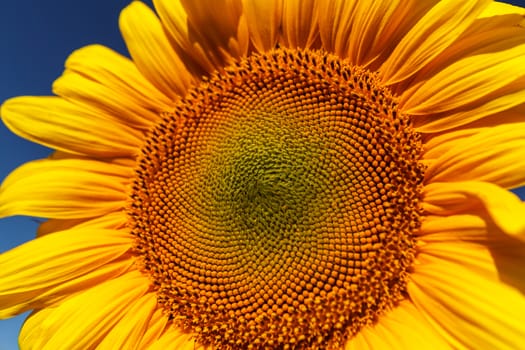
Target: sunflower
{"points": [[278, 174]]}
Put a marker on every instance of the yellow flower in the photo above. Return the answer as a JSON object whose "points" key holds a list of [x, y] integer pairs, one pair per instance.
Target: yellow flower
{"points": [[278, 174]]}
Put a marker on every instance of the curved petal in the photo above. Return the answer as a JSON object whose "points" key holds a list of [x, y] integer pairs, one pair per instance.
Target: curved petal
{"points": [[73, 325], [52, 295], [175, 339], [64, 189], [370, 20], [461, 227], [151, 51], [220, 25], [497, 8], [367, 32], [470, 311], [97, 77], [494, 155], [190, 49], [100, 99], [120, 74], [39, 264], [471, 78], [126, 162], [62, 125], [510, 116], [503, 207], [115, 221], [472, 256], [438, 28], [394, 27], [299, 23], [335, 24], [205, 35], [128, 332], [156, 326], [437, 144], [477, 244], [264, 22], [401, 328], [484, 35], [504, 101]]}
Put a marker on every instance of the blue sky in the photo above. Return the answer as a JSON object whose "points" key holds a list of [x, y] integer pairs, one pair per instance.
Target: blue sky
{"points": [[36, 37]]}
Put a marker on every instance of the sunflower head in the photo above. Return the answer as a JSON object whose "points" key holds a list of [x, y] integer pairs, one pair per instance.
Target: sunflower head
{"points": [[278, 174], [277, 203]]}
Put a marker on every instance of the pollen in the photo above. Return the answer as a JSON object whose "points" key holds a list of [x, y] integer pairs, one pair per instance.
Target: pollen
{"points": [[275, 206]]}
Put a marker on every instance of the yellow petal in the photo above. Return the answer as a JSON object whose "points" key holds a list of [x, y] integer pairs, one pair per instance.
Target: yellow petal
{"points": [[440, 27], [484, 33], [503, 207], [484, 36], [84, 319], [151, 51], [470, 311], [29, 269], [335, 24], [64, 189], [127, 162], [404, 327], [174, 339], [299, 23], [54, 225], [494, 155], [473, 256], [462, 227], [205, 34], [509, 116], [50, 296], [111, 69], [436, 144], [394, 27], [264, 21], [116, 220], [218, 24], [370, 20], [128, 332], [101, 99], [500, 8], [155, 329], [59, 124], [475, 243], [102, 70], [511, 96], [471, 78], [190, 49]]}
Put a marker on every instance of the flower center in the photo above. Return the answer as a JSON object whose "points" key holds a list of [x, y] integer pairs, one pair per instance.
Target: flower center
{"points": [[275, 206]]}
